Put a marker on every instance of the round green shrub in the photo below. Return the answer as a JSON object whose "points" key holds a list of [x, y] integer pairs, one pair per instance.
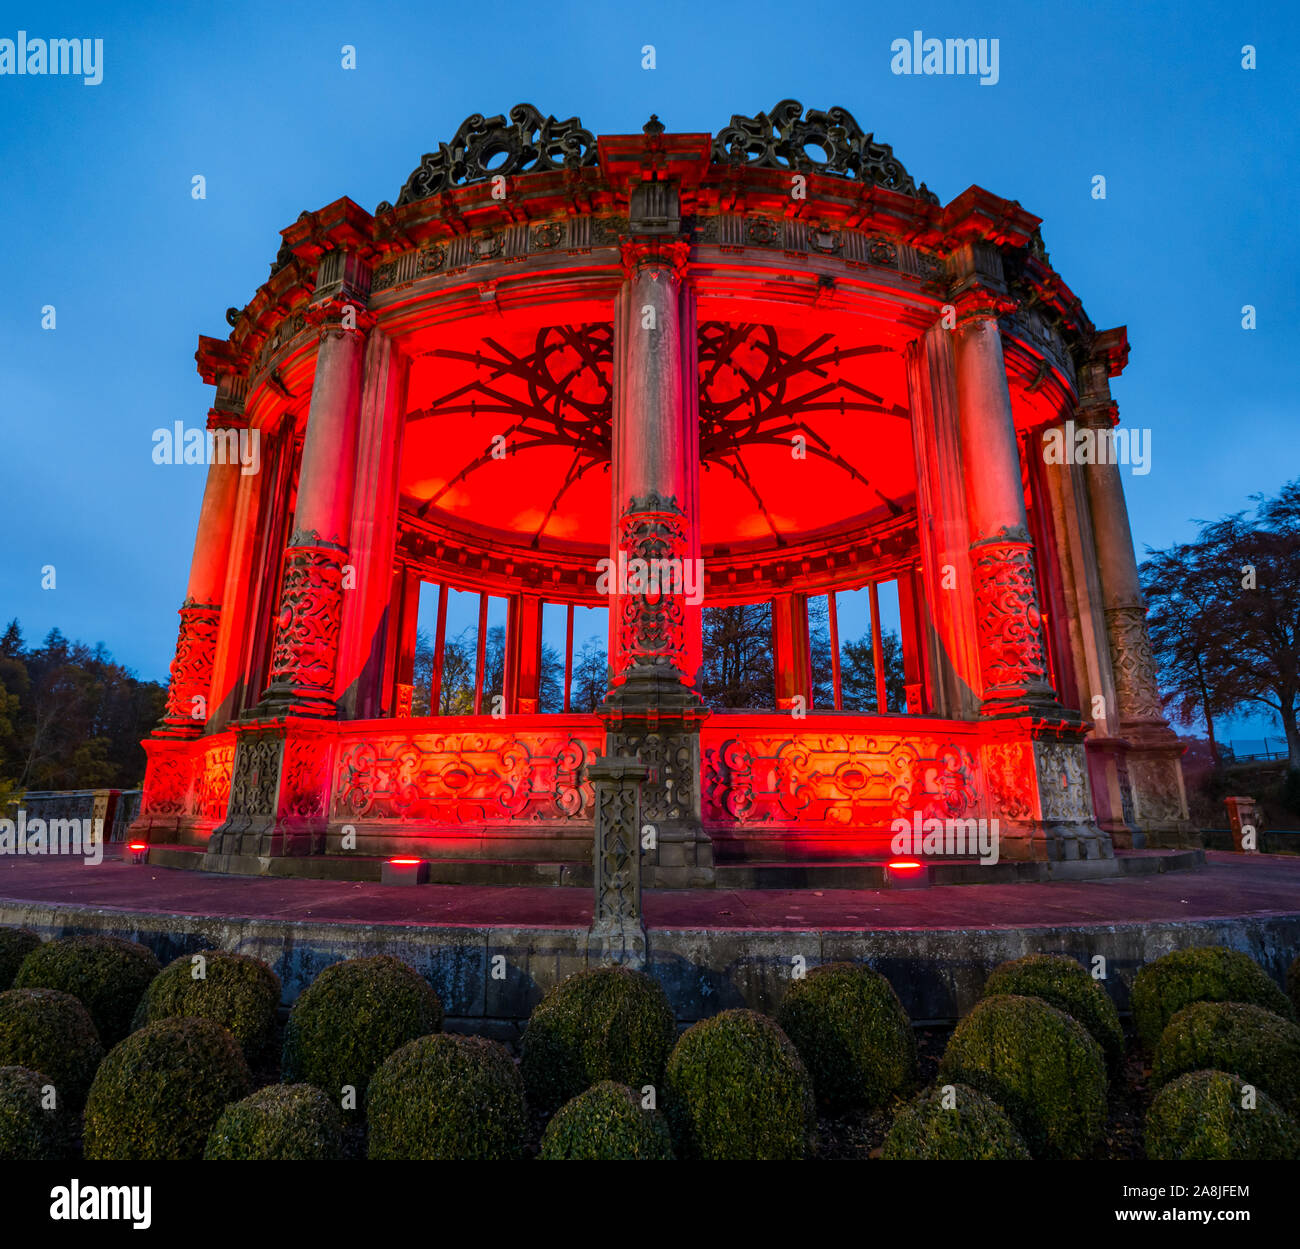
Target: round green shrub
{"points": [[236, 991], [107, 975], [735, 1087], [50, 1032], [447, 1097], [1039, 1065], [852, 1033], [28, 1129], [281, 1123], [15, 945], [158, 1093], [606, 1124], [1202, 974], [969, 1127], [352, 1017], [1200, 1117], [1293, 984], [608, 1023], [1065, 984], [1247, 1041]]}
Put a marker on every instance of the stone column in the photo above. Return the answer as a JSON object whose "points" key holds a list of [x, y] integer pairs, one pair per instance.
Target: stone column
{"points": [[367, 618], [945, 614], [1013, 666], [1085, 617], [304, 676], [617, 933], [190, 690], [1153, 757], [652, 711]]}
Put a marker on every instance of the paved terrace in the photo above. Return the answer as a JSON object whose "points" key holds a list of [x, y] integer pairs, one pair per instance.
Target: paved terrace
{"points": [[710, 949]]}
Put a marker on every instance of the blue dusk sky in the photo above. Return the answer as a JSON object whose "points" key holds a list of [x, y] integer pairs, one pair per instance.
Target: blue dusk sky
{"points": [[1199, 155]]}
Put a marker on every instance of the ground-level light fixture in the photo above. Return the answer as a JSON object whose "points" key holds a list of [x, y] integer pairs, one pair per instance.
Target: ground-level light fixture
{"points": [[404, 871], [906, 874]]}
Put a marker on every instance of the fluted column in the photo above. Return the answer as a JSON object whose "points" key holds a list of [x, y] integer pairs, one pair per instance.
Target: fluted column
{"points": [[1008, 621], [303, 674], [190, 689]]}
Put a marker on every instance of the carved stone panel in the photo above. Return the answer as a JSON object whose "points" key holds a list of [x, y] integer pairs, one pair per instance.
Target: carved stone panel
{"points": [[467, 777], [835, 780]]}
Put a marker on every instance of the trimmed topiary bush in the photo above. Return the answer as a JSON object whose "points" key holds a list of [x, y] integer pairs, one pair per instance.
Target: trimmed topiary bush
{"points": [[281, 1123], [352, 1017], [852, 1033], [1202, 974], [1039, 1065], [107, 975], [236, 991], [607, 1124], [609, 1023], [1065, 984], [15, 945], [50, 1032], [447, 1097], [735, 1087], [1200, 1117], [159, 1092], [30, 1130], [960, 1126], [1247, 1041]]}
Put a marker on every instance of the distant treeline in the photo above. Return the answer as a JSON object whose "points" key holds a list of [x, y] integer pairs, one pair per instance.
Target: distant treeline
{"points": [[70, 717]]}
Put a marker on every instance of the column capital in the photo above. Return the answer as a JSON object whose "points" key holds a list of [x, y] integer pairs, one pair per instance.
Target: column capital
{"points": [[339, 318], [981, 302], [221, 418], [655, 252]]}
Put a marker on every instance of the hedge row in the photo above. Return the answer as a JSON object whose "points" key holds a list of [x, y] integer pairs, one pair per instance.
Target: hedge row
{"points": [[1024, 1074]]}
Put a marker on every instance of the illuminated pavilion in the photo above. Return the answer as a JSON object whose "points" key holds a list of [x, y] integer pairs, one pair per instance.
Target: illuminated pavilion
{"points": [[768, 350]]}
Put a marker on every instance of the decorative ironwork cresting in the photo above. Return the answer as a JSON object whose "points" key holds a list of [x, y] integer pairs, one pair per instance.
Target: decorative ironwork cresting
{"points": [[783, 138]]}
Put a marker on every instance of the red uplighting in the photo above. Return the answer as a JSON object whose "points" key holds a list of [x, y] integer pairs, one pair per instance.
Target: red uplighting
{"points": [[904, 865], [406, 862]]}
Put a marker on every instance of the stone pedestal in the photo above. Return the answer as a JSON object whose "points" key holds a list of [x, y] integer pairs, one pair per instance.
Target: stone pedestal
{"points": [[655, 719], [617, 932], [279, 796]]}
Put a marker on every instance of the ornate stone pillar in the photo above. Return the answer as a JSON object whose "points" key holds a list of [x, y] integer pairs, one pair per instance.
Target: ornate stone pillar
{"points": [[367, 619], [945, 612], [1008, 622], [281, 780], [190, 689], [1030, 737], [617, 933], [304, 673], [1154, 751], [652, 711], [1085, 619]]}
